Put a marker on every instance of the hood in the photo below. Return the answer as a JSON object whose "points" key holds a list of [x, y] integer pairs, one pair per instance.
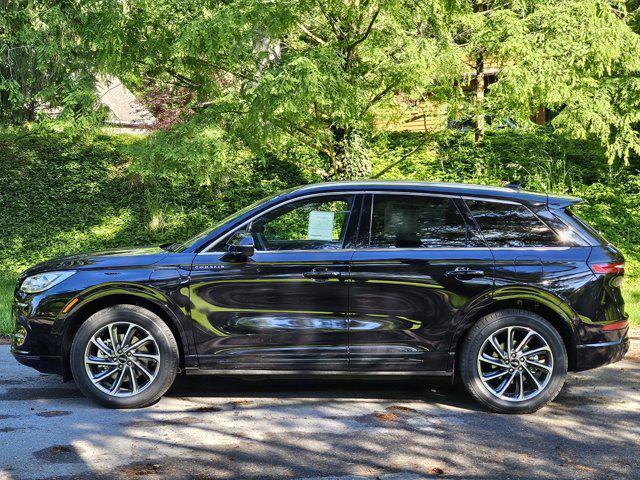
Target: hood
{"points": [[120, 258]]}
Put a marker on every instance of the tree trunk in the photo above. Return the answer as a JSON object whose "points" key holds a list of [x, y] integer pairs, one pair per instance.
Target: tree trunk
{"points": [[479, 7], [479, 100]]}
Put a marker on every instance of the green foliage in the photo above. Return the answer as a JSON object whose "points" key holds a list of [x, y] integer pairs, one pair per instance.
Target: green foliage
{"points": [[291, 74], [7, 285], [542, 161], [64, 194], [46, 58], [67, 193], [320, 75]]}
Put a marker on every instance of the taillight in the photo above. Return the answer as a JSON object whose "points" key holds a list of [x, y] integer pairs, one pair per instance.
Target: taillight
{"points": [[615, 268], [615, 326]]}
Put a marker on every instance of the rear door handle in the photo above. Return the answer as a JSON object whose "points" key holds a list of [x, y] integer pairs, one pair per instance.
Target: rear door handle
{"points": [[465, 272], [322, 274]]}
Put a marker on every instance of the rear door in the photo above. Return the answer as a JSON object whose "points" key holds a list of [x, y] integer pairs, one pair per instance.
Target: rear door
{"points": [[535, 253], [418, 267]]}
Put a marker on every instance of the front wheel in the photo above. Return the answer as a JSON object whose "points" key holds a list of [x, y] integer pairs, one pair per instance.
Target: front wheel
{"points": [[124, 357], [513, 361]]}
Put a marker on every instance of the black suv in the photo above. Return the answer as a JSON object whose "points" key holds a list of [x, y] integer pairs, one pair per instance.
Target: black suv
{"points": [[505, 288]]}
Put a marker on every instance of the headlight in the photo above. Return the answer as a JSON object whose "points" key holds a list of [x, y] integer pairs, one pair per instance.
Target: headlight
{"points": [[43, 281]]}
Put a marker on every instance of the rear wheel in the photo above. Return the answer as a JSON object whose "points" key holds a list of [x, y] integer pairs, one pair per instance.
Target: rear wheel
{"points": [[513, 361], [124, 357]]}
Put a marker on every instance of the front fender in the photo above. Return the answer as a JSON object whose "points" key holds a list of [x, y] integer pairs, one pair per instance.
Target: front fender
{"points": [[173, 306]]}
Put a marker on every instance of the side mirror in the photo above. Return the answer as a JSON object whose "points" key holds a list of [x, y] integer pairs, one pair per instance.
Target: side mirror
{"points": [[241, 246]]}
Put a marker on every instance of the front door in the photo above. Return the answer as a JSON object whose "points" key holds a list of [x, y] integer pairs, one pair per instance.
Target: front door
{"points": [[284, 308], [419, 266]]}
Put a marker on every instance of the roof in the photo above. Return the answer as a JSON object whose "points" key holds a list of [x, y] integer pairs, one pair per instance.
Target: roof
{"points": [[451, 188], [124, 108]]}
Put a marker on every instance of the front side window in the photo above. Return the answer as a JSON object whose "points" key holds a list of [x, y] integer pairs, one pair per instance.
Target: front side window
{"points": [[415, 221], [318, 223], [511, 225]]}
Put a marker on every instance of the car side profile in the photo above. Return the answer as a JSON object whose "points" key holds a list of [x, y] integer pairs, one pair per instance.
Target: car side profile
{"points": [[508, 290]]}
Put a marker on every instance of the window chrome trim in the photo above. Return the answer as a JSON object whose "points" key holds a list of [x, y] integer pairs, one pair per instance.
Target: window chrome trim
{"points": [[489, 199], [208, 250], [225, 236]]}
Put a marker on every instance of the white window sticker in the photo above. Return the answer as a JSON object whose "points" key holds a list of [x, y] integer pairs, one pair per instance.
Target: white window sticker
{"points": [[320, 225]]}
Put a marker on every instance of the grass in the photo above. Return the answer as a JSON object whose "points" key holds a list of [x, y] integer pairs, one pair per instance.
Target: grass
{"points": [[631, 291], [7, 284]]}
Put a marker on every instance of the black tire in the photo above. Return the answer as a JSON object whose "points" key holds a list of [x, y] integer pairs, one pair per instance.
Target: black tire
{"points": [[481, 331], [167, 349]]}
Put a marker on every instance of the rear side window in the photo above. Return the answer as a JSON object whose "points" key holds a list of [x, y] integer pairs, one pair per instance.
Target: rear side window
{"points": [[400, 221], [511, 225]]}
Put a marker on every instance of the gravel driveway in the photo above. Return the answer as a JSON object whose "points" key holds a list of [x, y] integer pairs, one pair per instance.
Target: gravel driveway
{"points": [[214, 427]]}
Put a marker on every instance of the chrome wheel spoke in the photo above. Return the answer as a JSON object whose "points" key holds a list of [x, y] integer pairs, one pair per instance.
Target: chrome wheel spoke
{"points": [[492, 360], [116, 385], [509, 341], [532, 377], [138, 344], [524, 341], [494, 375], [517, 375], [103, 375], [127, 336], [140, 367], [133, 380], [506, 384], [537, 351], [520, 386], [146, 356], [113, 336], [122, 359], [100, 361], [102, 347], [496, 346], [538, 365]]}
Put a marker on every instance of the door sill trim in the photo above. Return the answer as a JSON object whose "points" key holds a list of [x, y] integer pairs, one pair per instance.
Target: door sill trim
{"points": [[315, 373]]}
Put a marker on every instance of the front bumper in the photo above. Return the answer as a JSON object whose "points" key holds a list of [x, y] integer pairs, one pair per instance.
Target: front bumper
{"points": [[595, 355], [42, 363]]}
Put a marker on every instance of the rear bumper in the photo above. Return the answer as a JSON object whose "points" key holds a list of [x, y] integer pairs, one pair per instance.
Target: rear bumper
{"points": [[42, 363], [597, 354]]}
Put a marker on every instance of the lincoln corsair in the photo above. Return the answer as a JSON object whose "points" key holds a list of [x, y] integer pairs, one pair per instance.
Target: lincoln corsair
{"points": [[507, 290]]}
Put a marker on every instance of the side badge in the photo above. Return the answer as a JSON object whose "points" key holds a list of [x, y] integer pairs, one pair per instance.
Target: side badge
{"points": [[208, 267]]}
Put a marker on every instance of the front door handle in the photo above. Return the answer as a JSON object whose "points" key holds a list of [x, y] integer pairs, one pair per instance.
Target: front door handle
{"points": [[465, 272], [321, 274]]}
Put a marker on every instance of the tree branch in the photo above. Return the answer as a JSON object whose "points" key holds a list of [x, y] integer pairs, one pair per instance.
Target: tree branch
{"points": [[366, 33], [312, 35], [400, 160]]}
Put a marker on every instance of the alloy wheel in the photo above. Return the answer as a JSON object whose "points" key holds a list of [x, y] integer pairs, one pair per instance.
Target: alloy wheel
{"points": [[122, 359], [515, 363]]}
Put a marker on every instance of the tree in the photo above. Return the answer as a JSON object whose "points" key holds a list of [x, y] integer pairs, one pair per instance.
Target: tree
{"points": [[578, 58], [40, 62], [286, 73], [321, 75]]}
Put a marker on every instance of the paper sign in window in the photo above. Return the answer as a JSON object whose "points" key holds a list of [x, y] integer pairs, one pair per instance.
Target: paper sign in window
{"points": [[320, 225]]}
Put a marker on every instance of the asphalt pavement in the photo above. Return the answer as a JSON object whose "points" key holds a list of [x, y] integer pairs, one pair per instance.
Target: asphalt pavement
{"points": [[218, 427]]}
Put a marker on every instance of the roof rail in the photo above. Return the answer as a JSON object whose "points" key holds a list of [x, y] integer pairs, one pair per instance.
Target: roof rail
{"points": [[515, 185]]}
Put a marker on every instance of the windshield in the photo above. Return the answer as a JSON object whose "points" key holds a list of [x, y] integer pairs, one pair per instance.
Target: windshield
{"points": [[219, 224]]}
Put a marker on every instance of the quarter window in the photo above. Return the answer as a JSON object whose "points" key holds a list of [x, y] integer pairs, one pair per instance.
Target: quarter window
{"points": [[318, 223], [511, 225], [400, 221]]}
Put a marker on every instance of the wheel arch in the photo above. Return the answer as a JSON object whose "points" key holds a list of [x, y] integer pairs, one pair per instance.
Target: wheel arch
{"points": [[558, 314], [87, 307]]}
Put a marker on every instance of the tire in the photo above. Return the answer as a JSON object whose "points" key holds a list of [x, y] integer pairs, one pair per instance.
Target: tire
{"points": [[549, 370], [159, 357]]}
